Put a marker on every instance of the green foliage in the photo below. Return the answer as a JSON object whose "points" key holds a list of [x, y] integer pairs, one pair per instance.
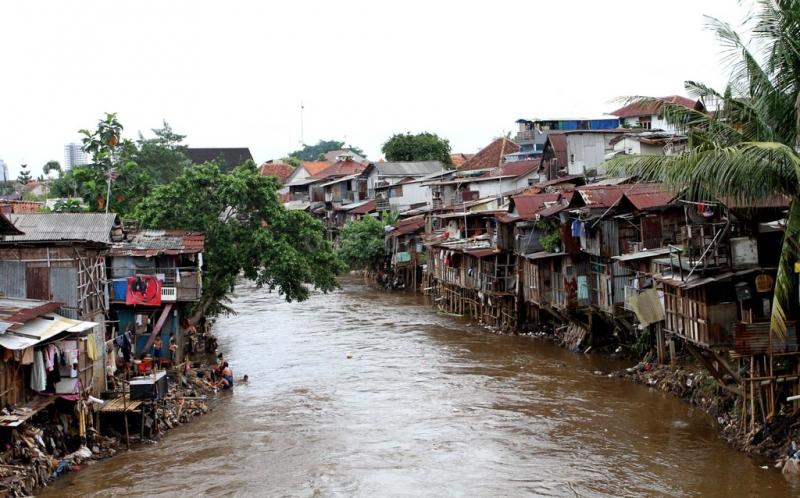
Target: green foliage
{"points": [[314, 152], [68, 206], [389, 217], [51, 166], [419, 147], [247, 231], [361, 244], [291, 161], [550, 241], [24, 177], [138, 167], [744, 148]]}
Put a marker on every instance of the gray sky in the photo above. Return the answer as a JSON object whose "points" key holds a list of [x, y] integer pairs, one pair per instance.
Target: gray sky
{"points": [[233, 73]]}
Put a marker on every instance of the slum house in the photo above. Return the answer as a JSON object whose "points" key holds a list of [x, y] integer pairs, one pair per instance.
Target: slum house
{"points": [[470, 185], [649, 115], [549, 262], [471, 267], [156, 276], [309, 192], [46, 357], [394, 186], [406, 252], [610, 220], [718, 289], [410, 193], [60, 257]]}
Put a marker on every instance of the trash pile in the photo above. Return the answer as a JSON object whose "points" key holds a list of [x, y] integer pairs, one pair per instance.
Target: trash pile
{"points": [[30, 460]]}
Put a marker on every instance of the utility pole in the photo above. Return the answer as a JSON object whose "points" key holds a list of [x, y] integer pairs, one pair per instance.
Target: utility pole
{"points": [[302, 142]]}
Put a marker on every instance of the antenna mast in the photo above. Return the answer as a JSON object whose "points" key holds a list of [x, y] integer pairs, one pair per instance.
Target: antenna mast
{"points": [[302, 142]]}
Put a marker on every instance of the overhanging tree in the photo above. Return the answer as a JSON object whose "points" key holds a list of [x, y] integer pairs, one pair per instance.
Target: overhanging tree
{"points": [[361, 244], [746, 147], [247, 231]]}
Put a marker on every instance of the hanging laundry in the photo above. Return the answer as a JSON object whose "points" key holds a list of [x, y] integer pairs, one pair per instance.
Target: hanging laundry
{"points": [[91, 350], [27, 356], [577, 229], [38, 374]]}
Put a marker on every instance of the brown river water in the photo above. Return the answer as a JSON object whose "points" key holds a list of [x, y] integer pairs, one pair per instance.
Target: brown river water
{"points": [[428, 405]]}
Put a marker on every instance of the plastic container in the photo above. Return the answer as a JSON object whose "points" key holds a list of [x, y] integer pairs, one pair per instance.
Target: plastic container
{"points": [[120, 288]]}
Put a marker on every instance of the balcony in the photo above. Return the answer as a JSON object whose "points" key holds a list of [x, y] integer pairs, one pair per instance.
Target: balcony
{"points": [[178, 284]]}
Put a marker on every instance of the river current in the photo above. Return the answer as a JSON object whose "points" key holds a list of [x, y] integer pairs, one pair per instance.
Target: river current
{"points": [[371, 394]]}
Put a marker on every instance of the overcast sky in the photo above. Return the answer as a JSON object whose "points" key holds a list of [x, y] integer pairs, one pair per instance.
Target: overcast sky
{"points": [[233, 73]]}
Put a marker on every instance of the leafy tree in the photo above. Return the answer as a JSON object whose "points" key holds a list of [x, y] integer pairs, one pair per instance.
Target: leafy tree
{"points": [[745, 148], [51, 166], [247, 231], [68, 206], [137, 167], [361, 244], [24, 177], [419, 147], [291, 161], [162, 157], [313, 152]]}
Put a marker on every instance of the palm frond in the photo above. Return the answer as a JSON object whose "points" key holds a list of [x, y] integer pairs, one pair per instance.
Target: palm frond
{"points": [[746, 172], [790, 252]]}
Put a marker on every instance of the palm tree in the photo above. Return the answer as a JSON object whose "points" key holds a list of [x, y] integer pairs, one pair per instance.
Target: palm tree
{"points": [[746, 146]]}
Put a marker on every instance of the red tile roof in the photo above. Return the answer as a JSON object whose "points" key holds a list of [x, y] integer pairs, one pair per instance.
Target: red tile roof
{"points": [[528, 205], [314, 167], [650, 108], [491, 156], [458, 159], [340, 168], [515, 168], [279, 171]]}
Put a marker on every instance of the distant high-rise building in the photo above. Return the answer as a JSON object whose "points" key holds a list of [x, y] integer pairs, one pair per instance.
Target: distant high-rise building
{"points": [[5, 176], [74, 155]]}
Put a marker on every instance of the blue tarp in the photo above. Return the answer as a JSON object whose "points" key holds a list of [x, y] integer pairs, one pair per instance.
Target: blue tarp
{"points": [[604, 124]]}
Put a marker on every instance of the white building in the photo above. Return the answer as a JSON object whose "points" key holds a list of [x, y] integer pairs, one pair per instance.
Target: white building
{"points": [[649, 115], [74, 155]]}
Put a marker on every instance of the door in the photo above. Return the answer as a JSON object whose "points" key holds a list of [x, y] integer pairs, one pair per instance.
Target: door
{"points": [[37, 280]]}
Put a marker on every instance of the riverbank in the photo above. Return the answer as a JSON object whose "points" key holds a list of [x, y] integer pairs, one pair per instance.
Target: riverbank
{"points": [[68, 436], [684, 379]]}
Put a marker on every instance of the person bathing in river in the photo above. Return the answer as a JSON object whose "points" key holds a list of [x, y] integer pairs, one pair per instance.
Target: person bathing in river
{"points": [[244, 380], [226, 382]]}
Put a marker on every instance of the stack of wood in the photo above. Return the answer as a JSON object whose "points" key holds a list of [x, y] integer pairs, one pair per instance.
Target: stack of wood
{"points": [[572, 336]]}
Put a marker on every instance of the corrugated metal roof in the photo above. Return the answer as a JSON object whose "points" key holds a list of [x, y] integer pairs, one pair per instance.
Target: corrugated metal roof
{"points": [[52, 227], [414, 168], [41, 329], [23, 310], [154, 242], [528, 205], [364, 207]]}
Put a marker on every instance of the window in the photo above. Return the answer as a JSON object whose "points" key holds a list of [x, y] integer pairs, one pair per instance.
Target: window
{"points": [[645, 122], [396, 191]]}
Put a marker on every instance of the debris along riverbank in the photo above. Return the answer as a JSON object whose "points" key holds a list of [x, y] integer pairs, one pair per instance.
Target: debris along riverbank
{"points": [[64, 436]]}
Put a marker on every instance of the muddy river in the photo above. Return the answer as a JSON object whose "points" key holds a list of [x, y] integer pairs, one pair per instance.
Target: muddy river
{"points": [[361, 393]]}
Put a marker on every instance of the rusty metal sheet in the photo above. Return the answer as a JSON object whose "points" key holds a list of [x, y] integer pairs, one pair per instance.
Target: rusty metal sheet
{"points": [[37, 283]]}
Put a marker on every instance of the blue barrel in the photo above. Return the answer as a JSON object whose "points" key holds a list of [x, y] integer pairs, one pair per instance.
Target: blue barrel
{"points": [[120, 287]]}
